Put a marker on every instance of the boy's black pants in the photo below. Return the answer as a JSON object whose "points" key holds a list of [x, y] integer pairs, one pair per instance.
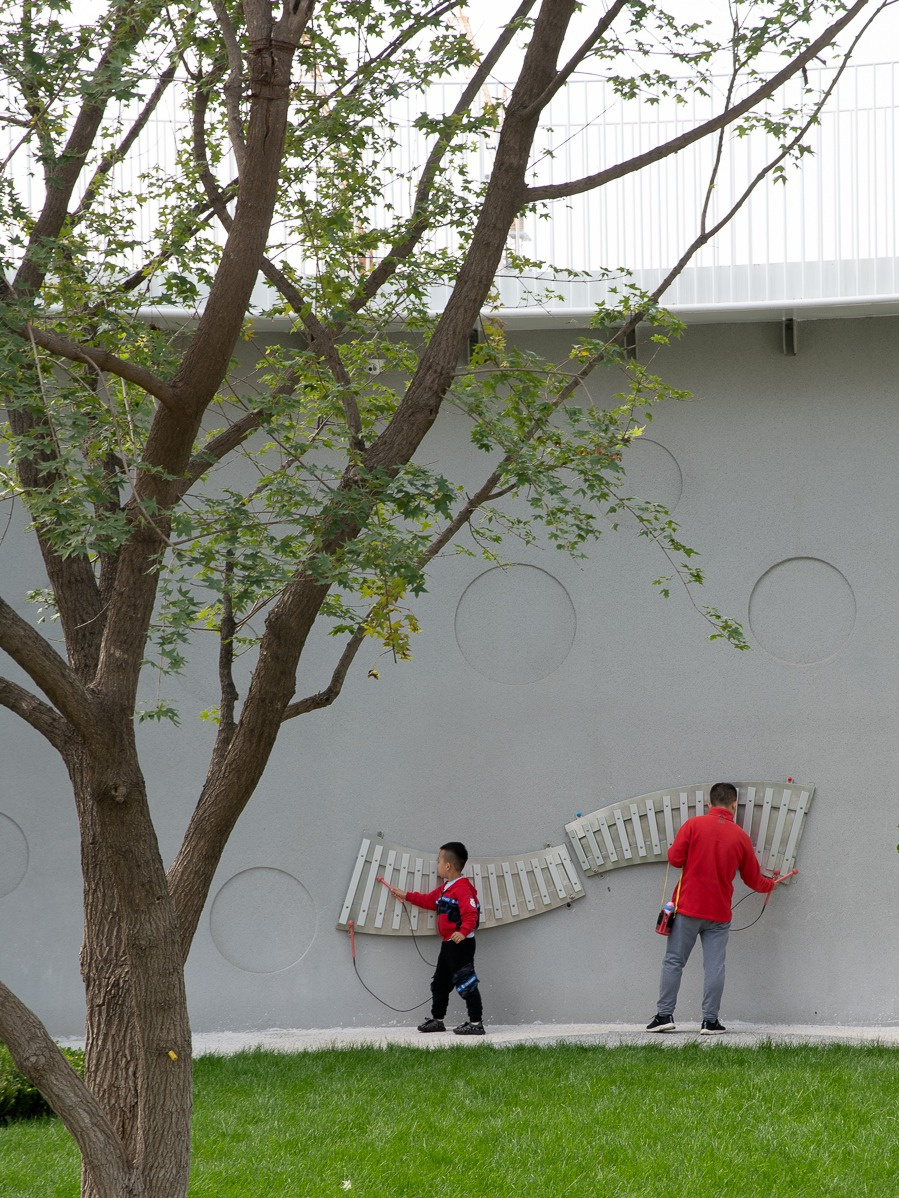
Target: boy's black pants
{"points": [[452, 958]]}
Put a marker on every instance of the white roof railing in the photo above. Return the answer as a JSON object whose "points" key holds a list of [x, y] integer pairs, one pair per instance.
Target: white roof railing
{"points": [[826, 242]]}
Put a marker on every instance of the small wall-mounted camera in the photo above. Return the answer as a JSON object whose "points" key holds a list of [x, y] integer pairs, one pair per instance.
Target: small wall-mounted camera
{"points": [[375, 366]]}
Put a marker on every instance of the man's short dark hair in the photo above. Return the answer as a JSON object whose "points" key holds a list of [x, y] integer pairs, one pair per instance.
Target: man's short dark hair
{"points": [[722, 794], [456, 852]]}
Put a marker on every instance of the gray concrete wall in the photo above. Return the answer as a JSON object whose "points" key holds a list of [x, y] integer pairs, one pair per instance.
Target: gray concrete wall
{"points": [[557, 687]]}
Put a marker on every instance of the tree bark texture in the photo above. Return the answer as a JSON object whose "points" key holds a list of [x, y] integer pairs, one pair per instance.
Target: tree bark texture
{"points": [[125, 1056], [138, 1060]]}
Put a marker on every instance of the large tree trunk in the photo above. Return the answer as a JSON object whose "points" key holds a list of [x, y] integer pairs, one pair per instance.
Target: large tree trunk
{"points": [[138, 1060], [110, 1049]]}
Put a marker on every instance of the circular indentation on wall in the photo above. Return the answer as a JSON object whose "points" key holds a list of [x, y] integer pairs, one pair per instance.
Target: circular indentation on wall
{"points": [[13, 855], [262, 920], [802, 610], [651, 472], [515, 624]]}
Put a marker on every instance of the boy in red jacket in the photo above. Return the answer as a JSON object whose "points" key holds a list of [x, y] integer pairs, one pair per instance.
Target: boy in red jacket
{"points": [[458, 915], [711, 849]]}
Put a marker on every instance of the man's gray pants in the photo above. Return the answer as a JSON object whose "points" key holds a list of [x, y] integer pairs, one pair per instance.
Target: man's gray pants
{"points": [[680, 944]]}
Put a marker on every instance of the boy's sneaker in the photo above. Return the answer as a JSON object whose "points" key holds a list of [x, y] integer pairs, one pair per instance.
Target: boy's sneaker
{"points": [[711, 1027], [432, 1025], [661, 1023], [469, 1029]]}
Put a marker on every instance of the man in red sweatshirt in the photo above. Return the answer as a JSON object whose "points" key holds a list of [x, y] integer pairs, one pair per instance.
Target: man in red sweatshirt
{"points": [[458, 915], [710, 849]]}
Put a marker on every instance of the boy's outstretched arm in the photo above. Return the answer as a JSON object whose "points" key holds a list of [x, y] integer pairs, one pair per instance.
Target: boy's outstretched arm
{"points": [[428, 901]]}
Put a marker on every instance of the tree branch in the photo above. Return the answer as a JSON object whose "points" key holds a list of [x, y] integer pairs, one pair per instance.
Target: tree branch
{"points": [[226, 791], [272, 49], [71, 576], [487, 492], [326, 697], [321, 340], [168, 448], [203, 212], [35, 1055], [401, 249], [219, 448], [109, 160], [63, 173], [604, 24], [214, 194], [503, 200], [40, 716], [102, 360], [47, 670], [226, 660], [706, 234], [233, 84], [553, 191]]}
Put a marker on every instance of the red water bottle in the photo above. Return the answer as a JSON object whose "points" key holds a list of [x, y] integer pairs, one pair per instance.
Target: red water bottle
{"points": [[666, 919]]}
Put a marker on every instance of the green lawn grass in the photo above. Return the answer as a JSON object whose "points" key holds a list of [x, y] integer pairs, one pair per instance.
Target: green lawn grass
{"points": [[703, 1120]]}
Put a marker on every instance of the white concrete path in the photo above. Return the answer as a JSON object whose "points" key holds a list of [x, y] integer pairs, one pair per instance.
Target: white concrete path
{"points": [[504, 1035]]}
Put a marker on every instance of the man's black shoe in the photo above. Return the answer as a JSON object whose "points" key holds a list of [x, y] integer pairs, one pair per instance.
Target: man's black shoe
{"points": [[711, 1027], [432, 1025], [661, 1023]]}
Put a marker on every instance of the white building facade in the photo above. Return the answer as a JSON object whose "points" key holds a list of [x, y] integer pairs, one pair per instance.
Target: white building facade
{"points": [[553, 687]]}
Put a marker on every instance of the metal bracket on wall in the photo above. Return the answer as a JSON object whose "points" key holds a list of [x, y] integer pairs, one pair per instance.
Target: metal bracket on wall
{"points": [[790, 335]]}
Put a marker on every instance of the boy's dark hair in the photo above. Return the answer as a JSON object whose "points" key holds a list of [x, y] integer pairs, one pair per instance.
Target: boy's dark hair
{"points": [[456, 852], [722, 794]]}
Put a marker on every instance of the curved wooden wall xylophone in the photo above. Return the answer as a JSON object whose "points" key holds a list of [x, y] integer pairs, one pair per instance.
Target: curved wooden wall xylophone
{"points": [[510, 888], [633, 832], [640, 830]]}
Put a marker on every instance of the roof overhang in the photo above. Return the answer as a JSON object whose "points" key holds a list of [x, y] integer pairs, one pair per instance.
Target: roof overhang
{"points": [[538, 317]]}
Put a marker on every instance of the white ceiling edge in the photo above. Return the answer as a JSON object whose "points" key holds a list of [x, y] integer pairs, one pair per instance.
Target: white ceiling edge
{"points": [[534, 317]]}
